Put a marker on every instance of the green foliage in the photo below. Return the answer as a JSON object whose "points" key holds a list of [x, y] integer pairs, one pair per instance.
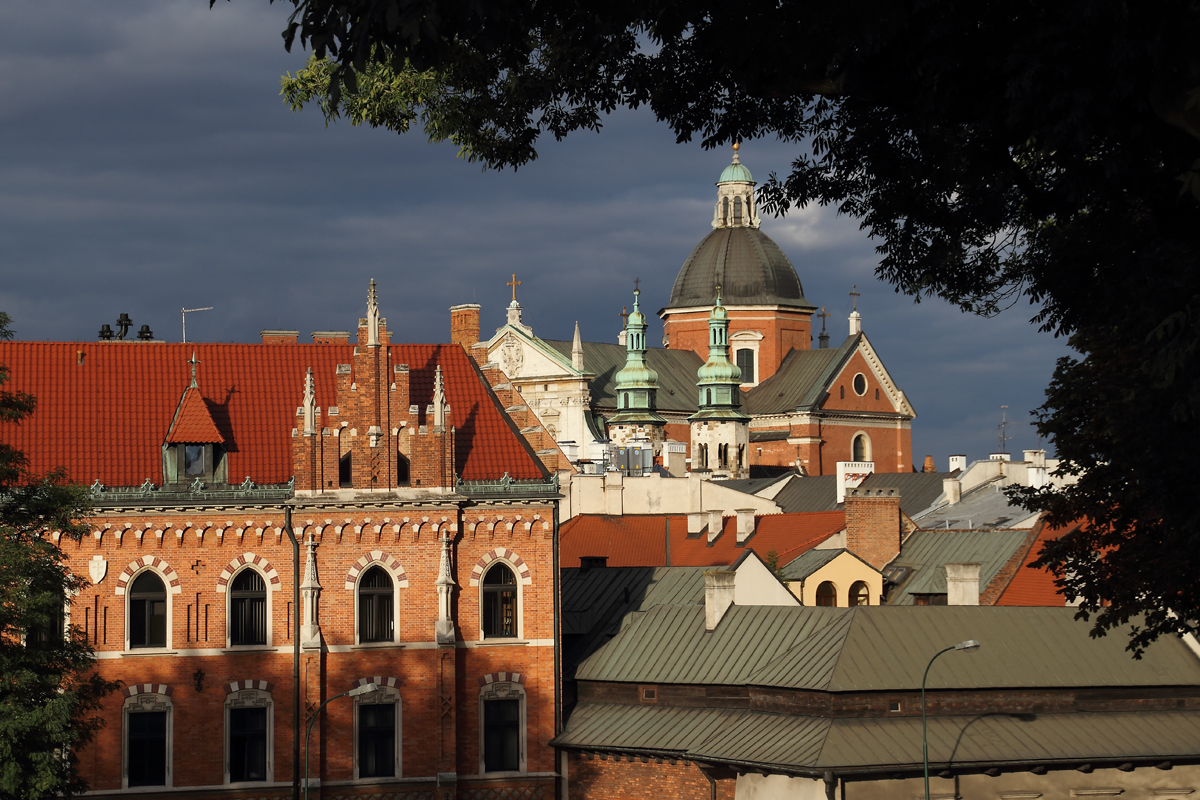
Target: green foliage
{"points": [[772, 562], [47, 696], [997, 152]]}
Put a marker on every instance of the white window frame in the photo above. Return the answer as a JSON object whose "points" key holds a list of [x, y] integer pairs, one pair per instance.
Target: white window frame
{"points": [[147, 701], [250, 698], [384, 694], [504, 690], [520, 637], [866, 438], [866, 384], [166, 582], [358, 642], [748, 340], [229, 645]]}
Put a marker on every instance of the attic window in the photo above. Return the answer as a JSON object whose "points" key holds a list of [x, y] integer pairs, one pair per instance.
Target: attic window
{"points": [[193, 459], [593, 562], [895, 706], [648, 694]]}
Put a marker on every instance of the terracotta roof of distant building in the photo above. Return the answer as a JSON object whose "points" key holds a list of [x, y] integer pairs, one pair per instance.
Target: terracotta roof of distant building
{"points": [[642, 540], [1035, 587], [105, 408]]}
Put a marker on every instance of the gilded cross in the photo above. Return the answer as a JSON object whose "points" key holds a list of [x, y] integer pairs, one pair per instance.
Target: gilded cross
{"points": [[823, 316], [514, 283], [624, 315], [855, 293]]}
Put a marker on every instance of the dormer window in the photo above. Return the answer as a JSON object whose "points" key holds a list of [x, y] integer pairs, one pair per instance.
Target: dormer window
{"points": [[193, 460], [194, 449]]}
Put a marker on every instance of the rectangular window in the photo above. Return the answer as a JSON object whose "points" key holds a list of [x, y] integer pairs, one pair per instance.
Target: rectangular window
{"points": [[146, 746], [148, 623], [377, 740], [248, 620], [193, 459], [502, 735], [247, 744], [500, 612]]}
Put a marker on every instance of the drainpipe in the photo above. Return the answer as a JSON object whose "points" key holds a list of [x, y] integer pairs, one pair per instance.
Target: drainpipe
{"points": [[831, 783], [287, 526], [558, 721]]}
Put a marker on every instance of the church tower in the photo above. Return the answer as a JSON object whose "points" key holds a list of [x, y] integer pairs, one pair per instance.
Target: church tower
{"points": [[768, 313], [720, 430], [637, 388]]}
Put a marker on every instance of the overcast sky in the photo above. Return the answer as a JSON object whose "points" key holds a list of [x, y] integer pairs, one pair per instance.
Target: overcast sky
{"points": [[149, 164]]}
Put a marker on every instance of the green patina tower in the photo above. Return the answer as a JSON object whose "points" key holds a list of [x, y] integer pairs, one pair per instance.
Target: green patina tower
{"points": [[720, 429], [637, 387]]}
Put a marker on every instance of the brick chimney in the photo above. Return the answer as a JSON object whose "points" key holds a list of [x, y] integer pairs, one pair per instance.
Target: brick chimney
{"points": [[873, 525], [331, 337], [928, 466], [464, 325], [279, 337]]}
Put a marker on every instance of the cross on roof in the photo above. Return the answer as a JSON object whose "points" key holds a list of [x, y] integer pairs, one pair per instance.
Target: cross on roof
{"points": [[637, 284], [514, 283], [855, 293], [624, 315], [823, 317]]}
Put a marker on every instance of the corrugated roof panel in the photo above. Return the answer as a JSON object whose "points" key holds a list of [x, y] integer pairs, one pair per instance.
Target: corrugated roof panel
{"points": [[763, 738], [797, 381], [604, 725]]}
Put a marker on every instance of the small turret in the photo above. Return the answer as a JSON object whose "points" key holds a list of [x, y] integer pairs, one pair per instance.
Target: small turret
{"points": [[720, 430], [637, 386]]}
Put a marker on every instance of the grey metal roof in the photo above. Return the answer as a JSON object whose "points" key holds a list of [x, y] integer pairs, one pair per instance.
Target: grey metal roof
{"points": [[755, 485], [746, 264], [807, 563], [917, 490], [801, 380], [928, 553], [849, 745], [676, 373], [985, 506], [877, 648]]}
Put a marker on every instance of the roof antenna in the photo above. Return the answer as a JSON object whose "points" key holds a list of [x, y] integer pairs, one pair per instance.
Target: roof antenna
{"points": [[187, 311]]}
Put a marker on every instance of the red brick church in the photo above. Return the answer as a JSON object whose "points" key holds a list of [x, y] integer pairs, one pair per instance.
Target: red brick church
{"points": [[425, 538]]}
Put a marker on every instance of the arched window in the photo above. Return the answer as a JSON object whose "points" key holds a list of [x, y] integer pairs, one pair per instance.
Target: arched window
{"points": [[842, 392], [725, 211], [860, 594], [402, 473], [745, 362], [248, 739], [146, 731], [826, 594], [708, 397], [499, 602], [861, 449], [248, 609], [345, 476], [737, 211], [375, 604], [148, 611], [377, 733], [502, 735]]}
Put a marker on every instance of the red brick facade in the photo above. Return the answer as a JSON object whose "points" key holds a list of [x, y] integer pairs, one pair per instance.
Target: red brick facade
{"points": [[873, 527], [623, 777], [783, 329]]}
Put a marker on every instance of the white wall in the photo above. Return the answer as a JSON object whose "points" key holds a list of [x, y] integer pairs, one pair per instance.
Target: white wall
{"points": [[616, 494]]}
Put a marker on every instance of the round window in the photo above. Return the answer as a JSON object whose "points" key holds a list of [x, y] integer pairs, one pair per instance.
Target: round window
{"points": [[860, 384]]}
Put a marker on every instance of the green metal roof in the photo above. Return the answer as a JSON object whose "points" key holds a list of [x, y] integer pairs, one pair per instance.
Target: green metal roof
{"points": [[676, 374], [928, 553], [735, 173], [880, 648], [807, 563], [801, 381]]}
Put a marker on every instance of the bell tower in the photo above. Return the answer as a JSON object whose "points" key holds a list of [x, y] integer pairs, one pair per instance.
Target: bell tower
{"points": [[720, 429], [637, 389]]}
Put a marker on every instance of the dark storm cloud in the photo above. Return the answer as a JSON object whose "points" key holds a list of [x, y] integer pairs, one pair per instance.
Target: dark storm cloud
{"points": [[147, 163]]}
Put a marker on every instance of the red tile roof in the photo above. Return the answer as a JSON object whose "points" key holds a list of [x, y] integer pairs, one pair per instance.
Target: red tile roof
{"points": [[1035, 587], [193, 424], [641, 540], [105, 409]]}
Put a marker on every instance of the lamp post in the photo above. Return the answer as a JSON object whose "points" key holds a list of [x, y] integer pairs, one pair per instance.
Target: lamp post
{"points": [[969, 646], [355, 692]]}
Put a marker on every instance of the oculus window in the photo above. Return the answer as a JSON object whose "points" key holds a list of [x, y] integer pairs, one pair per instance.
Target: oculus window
{"points": [[499, 602]]}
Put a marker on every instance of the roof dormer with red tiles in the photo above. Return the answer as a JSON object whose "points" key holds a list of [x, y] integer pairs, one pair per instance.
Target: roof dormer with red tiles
{"points": [[194, 450]]}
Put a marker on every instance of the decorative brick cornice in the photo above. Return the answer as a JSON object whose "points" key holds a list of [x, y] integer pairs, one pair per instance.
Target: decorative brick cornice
{"points": [[501, 554], [383, 559], [380, 681], [164, 569], [134, 689], [239, 686], [263, 565], [502, 677]]}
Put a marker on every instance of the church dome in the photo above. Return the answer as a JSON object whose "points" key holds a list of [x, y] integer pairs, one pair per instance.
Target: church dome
{"points": [[735, 173], [746, 264]]}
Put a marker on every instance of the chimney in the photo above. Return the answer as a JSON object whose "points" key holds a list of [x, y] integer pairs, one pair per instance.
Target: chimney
{"points": [[331, 337], [718, 595], [1000, 456], [873, 525], [958, 462], [1035, 457], [928, 466], [745, 524], [716, 521], [953, 489], [279, 337], [464, 325], [962, 584], [695, 524], [855, 323], [1036, 474]]}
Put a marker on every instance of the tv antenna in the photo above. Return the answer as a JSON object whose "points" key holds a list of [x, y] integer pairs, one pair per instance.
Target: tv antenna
{"points": [[1004, 423], [187, 311]]}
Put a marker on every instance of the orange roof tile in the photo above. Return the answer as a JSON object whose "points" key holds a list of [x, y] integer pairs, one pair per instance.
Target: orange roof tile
{"points": [[104, 409], [193, 423], [1035, 587], [641, 540]]}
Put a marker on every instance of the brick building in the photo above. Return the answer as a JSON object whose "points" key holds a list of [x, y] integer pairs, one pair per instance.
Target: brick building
{"points": [[426, 540]]}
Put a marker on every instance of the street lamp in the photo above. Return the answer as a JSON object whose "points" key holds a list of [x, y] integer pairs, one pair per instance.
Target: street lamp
{"points": [[969, 646], [366, 688]]}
